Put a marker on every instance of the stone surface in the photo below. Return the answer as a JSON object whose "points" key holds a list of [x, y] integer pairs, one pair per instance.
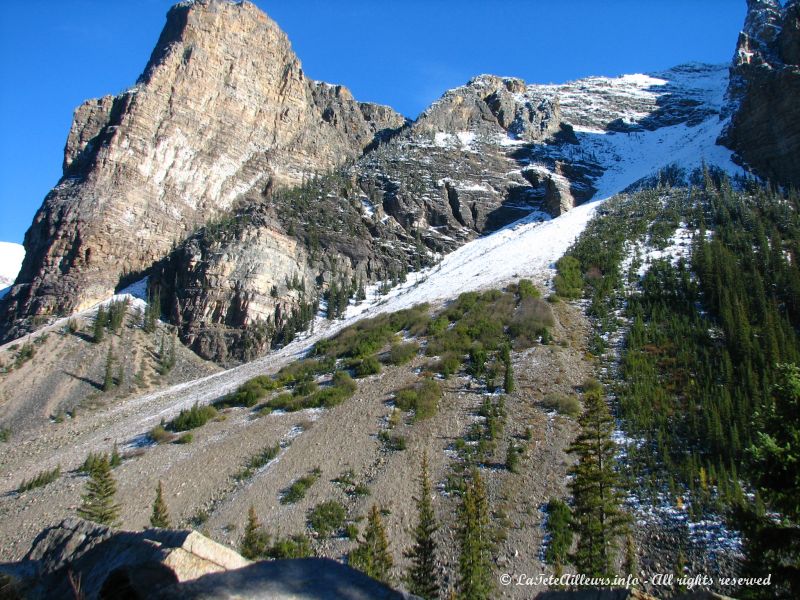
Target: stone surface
{"points": [[223, 107], [161, 563], [765, 85], [105, 563]]}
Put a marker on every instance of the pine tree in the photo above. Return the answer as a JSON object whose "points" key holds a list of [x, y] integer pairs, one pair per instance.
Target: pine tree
{"points": [[508, 381], [115, 459], [100, 321], [152, 312], [475, 581], [422, 577], [512, 457], [372, 555], [597, 516], [160, 515], [629, 565], [254, 543], [98, 501], [108, 378]]}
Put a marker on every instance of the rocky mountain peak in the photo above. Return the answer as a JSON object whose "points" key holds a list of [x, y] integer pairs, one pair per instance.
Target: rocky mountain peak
{"points": [[765, 81], [222, 109], [488, 101]]}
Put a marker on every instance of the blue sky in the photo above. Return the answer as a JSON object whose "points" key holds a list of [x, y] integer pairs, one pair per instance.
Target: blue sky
{"points": [[54, 54]]}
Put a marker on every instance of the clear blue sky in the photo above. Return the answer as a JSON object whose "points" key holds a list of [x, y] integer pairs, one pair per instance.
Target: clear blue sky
{"points": [[56, 53]]}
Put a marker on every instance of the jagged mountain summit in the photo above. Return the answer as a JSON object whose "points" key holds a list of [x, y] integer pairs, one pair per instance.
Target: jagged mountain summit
{"points": [[765, 85], [222, 107], [184, 176]]}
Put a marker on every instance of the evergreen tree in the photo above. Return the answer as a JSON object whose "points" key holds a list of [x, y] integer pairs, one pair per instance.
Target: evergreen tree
{"points": [[512, 457], [475, 579], [255, 540], [629, 564], [115, 459], [160, 515], [372, 555], [152, 312], [108, 378], [773, 544], [422, 576], [597, 515], [559, 520], [98, 501], [100, 321]]}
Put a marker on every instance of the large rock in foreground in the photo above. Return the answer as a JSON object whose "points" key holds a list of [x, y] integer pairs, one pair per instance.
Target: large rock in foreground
{"points": [[159, 563]]}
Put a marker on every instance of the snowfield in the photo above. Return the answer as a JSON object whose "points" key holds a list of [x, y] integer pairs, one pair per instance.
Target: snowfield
{"points": [[11, 256]]}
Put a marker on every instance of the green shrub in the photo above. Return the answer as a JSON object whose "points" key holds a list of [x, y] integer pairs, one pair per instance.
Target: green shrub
{"points": [[286, 401], [40, 480], [197, 416], [361, 489], [296, 546], [249, 393], [297, 491], [429, 392], [569, 281], [563, 404], [559, 521], [392, 441], [343, 381], [400, 354], [423, 398], [186, 438], [450, 364], [368, 366], [327, 518], [351, 531], [303, 370], [526, 289], [160, 435], [530, 321], [305, 388], [257, 461], [406, 399]]}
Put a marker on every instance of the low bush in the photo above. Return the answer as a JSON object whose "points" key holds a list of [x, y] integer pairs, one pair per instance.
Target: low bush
{"points": [[40, 480], [526, 289], [160, 435], [186, 438], [327, 518], [197, 416], [400, 354], [249, 393], [296, 546], [368, 366], [531, 321], [297, 491], [257, 461], [392, 441], [423, 399], [563, 404]]}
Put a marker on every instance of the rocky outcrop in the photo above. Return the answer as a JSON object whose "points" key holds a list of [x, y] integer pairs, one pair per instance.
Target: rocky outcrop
{"points": [[104, 563], [223, 107], [80, 559], [765, 84]]}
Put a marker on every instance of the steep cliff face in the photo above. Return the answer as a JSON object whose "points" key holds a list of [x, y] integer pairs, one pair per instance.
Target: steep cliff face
{"points": [[765, 85], [223, 107]]}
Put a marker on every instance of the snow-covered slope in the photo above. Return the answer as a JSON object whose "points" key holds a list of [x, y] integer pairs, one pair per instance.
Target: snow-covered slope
{"points": [[11, 256]]}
